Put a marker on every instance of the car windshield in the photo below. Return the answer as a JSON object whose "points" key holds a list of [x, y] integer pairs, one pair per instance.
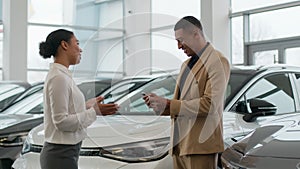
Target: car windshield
{"points": [[32, 101], [122, 88], [31, 104], [133, 104], [93, 88], [128, 94], [8, 92]]}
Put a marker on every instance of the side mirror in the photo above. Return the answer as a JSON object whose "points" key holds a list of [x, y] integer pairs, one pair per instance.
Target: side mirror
{"points": [[259, 108], [241, 107]]}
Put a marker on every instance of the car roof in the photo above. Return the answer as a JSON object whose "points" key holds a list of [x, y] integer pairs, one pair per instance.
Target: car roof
{"points": [[258, 68], [19, 83]]}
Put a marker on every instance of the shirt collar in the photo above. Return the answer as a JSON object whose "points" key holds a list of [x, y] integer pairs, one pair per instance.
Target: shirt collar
{"points": [[197, 56], [61, 68], [202, 50]]}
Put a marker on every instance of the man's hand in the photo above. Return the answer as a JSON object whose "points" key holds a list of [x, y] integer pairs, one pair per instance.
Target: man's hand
{"points": [[158, 104]]}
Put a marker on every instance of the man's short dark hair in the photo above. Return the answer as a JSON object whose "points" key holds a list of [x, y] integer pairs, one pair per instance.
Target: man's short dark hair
{"points": [[186, 22]]}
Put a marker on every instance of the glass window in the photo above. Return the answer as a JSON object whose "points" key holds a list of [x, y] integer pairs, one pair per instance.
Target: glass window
{"points": [[298, 81], [1, 45], [188, 7], [39, 109], [165, 52], [86, 13], [1, 42], [47, 11], [25, 105], [101, 47], [134, 103], [164, 45], [275, 24], [122, 88], [110, 19], [237, 40], [265, 57], [236, 81], [97, 55], [36, 76], [0, 10], [109, 56], [37, 34], [292, 56], [9, 92], [91, 89], [275, 89], [242, 5]]}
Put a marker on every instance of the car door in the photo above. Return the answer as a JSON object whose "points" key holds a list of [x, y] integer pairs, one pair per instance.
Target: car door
{"points": [[296, 80], [275, 90]]}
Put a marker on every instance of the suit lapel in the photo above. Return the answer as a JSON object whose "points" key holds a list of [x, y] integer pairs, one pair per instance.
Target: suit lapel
{"points": [[196, 68], [183, 67]]}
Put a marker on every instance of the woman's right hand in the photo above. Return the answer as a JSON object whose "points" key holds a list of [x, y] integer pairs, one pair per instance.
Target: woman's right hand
{"points": [[106, 109]]}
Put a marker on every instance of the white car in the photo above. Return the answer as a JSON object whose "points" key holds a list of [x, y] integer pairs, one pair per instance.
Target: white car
{"points": [[9, 91], [138, 138], [26, 112]]}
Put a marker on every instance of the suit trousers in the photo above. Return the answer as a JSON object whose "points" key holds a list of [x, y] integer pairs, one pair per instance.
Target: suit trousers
{"points": [[195, 161]]}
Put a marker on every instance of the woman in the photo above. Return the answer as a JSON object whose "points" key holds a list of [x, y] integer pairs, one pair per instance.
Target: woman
{"points": [[66, 114]]}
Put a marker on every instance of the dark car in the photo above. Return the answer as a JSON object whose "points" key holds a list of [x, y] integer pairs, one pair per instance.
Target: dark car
{"points": [[274, 146], [137, 138]]}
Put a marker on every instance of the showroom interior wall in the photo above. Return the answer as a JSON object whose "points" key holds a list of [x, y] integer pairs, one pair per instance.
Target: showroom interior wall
{"points": [[141, 41]]}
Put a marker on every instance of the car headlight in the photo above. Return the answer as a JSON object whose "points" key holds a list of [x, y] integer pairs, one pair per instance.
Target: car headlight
{"points": [[227, 165], [143, 151], [27, 147], [15, 139]]}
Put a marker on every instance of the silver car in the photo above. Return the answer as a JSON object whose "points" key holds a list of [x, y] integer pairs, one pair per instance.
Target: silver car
{"points": [[273, 146]]}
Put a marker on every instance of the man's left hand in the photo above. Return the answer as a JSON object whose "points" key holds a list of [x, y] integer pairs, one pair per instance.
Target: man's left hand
{"points": [[158, 104]]}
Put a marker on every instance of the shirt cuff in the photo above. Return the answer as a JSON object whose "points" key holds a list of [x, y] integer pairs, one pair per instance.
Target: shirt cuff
{"points": [[91, 115], [175, 107]]}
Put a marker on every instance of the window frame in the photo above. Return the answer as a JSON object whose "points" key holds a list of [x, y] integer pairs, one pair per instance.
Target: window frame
{"points": [[280, 44]]}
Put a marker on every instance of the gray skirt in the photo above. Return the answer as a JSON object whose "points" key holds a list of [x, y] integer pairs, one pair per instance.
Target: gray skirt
{"points": [[60, 156]]}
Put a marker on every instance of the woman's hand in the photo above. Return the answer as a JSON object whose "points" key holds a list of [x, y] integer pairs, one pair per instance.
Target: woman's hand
{"points": [[106, 109], [100, 108], [90, 103]]}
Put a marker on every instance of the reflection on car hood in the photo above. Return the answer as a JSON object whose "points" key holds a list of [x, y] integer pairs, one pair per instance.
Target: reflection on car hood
{"points": [[280, 140], [118, 129], [15, 122]]}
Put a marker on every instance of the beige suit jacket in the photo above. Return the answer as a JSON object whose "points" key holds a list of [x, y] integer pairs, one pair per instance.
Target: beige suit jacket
{"points": [[198, 111]]}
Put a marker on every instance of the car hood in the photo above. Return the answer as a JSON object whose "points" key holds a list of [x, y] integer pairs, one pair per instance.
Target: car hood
{"points": [[117, 129], [14, 122], [279, 140]]}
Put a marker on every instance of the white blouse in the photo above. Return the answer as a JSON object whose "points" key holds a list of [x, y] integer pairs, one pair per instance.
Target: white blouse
{"points": [[65, 115]]}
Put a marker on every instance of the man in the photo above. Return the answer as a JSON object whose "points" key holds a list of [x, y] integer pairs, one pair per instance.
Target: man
{"points": [[196, 109]]}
